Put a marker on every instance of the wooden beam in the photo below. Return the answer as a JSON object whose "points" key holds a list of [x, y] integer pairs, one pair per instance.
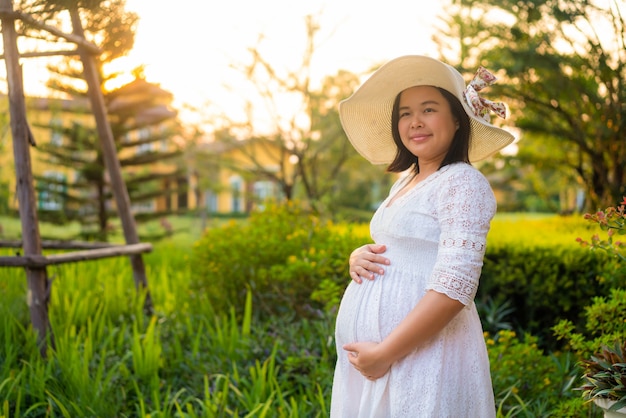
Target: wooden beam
{"points": [[59, 245], [39, 261], [112, 163], [27, 18], [36, 277], [28, 261], [70, 53]]}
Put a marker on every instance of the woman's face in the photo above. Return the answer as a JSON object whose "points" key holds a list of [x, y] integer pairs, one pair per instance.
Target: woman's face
{"points": [[426, 124]]}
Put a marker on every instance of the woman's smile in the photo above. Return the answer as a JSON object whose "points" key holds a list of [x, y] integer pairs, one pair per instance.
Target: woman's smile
{"points": [[419, 137], [426, 125]]}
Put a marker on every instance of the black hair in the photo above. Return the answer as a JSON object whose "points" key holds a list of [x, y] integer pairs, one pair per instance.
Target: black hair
{"points": [[459, 149]]}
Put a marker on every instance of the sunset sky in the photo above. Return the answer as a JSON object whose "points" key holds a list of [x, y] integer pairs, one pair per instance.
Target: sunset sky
{"points": [[188, 49], [188, 46]]}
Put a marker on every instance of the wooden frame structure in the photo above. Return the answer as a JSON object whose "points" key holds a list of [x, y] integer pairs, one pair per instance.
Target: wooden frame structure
{"points": [[32, 260]]}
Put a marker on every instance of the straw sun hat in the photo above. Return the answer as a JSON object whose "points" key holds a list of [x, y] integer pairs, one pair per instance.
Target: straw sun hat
{"points": [[366, 115]]}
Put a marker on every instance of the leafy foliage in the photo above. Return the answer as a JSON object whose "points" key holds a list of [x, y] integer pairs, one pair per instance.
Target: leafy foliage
{"points": [[494, 316], [525, 379], [605, 317], [282, 253], [560, 62], [612, 220], [604, 323], [201, 359], [605, 375], [602, 346], [541, 284]]}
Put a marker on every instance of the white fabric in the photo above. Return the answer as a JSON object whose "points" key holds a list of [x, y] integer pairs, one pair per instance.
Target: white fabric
{"points": [[435, 236]]}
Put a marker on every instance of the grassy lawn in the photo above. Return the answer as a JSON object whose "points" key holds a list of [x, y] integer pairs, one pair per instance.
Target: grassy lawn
{"points": [[190, 360], [532, 229], [522, 228], [186, 229]]}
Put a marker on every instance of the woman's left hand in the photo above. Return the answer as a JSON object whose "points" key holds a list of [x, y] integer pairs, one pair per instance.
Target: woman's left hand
{"points": [[365, 357]]}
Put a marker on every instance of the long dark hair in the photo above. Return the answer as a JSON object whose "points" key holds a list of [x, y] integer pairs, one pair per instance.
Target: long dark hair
{"points": [[459, 149]]}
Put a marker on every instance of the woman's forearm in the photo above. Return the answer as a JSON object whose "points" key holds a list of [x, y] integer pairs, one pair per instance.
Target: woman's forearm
{"points": [[433, 312]]}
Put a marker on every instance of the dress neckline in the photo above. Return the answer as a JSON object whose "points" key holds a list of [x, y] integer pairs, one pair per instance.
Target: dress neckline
{"points": [[392, 201]]}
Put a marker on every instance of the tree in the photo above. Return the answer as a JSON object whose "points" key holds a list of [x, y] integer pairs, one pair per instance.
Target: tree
{"points": [[142, 123], [313, 149], [143, 126], [563, 72], [107, 24]]}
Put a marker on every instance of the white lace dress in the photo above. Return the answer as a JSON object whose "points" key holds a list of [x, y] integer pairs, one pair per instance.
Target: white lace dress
{"points": [[435, 236]]}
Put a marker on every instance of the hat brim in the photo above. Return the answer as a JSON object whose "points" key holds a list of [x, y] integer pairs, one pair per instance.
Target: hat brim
{"points": [[366, 115]]}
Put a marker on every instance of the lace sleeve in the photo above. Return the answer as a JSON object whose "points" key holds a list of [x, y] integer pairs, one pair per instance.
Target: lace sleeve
{"points": [[465, 206]]}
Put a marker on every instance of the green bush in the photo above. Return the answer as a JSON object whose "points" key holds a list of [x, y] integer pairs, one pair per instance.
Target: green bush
{"points": [[283, 254], [528, 382], [605, 323], [294, 262], [543, 284], [228, 363]]}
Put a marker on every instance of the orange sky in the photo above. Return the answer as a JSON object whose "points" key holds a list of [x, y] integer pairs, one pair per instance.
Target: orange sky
{"points": [[187, 46], [188, 49]]}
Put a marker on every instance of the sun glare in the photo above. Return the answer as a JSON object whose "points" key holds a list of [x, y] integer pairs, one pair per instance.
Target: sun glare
{"points": [[190, 48]]}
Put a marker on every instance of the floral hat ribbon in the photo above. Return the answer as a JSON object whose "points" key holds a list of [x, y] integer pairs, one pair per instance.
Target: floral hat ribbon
{"points": [[479, 105]]}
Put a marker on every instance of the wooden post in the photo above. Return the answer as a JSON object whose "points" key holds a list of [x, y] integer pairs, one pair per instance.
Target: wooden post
{"points": [[36, 276], [110, 158]]}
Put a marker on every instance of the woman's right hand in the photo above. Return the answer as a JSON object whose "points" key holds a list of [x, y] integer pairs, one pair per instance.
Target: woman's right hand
{"points": [[366, 261]]}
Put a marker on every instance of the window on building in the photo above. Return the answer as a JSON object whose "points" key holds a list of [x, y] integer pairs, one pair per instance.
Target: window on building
{"points": [[263, 190], [51, 191], [236, 187], [143, 207], [210, 200], [56, 135], [143, 135]]}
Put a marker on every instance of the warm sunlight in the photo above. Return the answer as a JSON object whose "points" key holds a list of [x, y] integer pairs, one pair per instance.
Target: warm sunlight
{"points": [[189, 48]]}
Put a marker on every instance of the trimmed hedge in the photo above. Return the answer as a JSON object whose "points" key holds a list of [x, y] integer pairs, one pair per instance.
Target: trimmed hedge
{"points": [[544, 284], [296, 263]]}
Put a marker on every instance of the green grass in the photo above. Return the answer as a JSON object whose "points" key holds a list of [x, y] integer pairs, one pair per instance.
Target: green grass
{"points": [[186, 229], [522, 228], [527, 229], [111, 360]]}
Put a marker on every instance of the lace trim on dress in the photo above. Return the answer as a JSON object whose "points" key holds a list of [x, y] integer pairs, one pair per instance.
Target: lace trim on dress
{"points": [[454, 288], [464, 208], [460, 259], [458, 269], [463, 243]]}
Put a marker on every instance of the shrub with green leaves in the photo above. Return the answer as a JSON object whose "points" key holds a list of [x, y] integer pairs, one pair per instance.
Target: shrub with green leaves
{"points": [[605, 322], [527, 381], [542, 283], [111, 360], [283, 254], [605, 375]]}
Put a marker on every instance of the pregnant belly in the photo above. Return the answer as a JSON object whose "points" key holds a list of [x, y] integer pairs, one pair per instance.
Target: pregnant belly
{"points": [[369, 311]]}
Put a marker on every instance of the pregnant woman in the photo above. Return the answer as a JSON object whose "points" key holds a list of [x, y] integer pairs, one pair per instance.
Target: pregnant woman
{"points": [[409, 339]]}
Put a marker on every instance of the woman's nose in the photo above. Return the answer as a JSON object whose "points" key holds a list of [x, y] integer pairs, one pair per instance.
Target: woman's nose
{"points": [[416, 123]]}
